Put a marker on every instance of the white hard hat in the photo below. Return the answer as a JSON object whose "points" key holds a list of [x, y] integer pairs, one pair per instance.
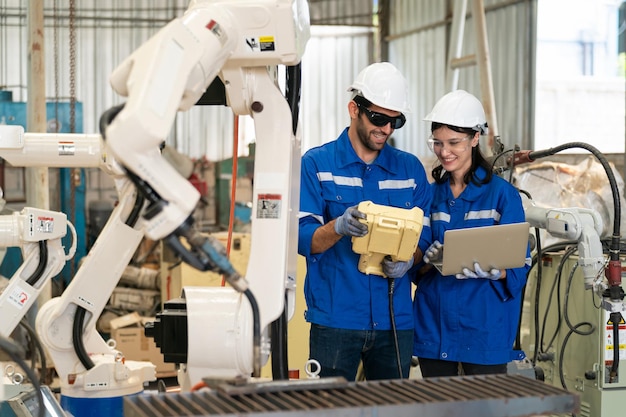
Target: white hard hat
{"points": [[459, 108], [383, 85]]}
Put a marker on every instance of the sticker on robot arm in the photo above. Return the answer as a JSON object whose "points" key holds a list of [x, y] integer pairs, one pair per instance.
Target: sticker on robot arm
{"points": [[268, 206]]}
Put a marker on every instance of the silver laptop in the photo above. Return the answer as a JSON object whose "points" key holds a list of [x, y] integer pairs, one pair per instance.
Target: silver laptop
{"points": [[501, 247]]}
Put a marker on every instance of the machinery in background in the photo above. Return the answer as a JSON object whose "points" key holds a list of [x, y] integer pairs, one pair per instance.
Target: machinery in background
{"points": [[59, 118], [574, 302], [38, 234], [236, 41], [240, 43], [88, 366], [577, 341]]}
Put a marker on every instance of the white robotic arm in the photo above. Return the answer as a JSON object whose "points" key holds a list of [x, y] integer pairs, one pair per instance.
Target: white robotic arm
{"points": [[579, 224], [235, 41], [86, 364], [38, 233]]}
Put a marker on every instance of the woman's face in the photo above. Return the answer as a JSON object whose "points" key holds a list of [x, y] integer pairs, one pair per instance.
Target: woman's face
{"points": [[453, 149]]}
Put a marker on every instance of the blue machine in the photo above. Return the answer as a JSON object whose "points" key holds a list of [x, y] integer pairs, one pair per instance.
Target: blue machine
{"points": [[57, 121]]}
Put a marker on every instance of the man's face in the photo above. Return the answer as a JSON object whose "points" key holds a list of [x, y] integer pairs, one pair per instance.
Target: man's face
{"points": [[371, 136]]}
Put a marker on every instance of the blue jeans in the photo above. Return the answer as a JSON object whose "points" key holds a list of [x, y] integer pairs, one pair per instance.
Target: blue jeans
{"points": [[438, 367], [339, 352]]}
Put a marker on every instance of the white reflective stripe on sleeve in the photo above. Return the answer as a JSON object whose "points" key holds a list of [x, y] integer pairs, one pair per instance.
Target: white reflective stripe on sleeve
{"points": [[426, 221], [483, 214], [304, 214], [349, 181], [440, 217], [396, 184]]}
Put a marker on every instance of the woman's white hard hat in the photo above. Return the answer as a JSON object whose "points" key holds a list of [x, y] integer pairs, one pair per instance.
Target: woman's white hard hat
{"points": [[459, 108]]}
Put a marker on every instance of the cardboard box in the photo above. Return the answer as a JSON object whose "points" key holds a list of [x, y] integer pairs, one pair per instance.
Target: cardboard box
{"points": [[127, 331]]}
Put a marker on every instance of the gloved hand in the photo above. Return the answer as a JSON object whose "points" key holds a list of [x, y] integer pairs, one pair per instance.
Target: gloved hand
{"points": [[396, 269], [348, 223], [434, 252], [494, 274]]}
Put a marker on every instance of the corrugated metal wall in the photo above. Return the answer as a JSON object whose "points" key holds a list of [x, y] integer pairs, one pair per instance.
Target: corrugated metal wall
{"points": [[418, 44], [107, 32]]}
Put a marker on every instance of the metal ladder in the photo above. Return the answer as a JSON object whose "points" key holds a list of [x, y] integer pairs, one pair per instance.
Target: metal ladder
{"points": [[481, 58]]}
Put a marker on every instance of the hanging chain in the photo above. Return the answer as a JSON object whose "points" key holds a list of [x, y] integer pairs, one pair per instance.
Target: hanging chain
{"points": [[57, 125], [72, 66]]}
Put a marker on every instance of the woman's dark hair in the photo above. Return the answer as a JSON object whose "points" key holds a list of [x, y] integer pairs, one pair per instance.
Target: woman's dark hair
{"points": [[478, 160]]}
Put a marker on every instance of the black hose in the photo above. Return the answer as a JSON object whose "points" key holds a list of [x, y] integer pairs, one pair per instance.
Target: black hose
{"points": [[556, 286], [36, 341], [77, 338], [612, 182], [392, 316], [280, 368], [615, 318], [256, 333], [292, 93], [614, 291], [136, 211], [107, 117], [41, 266]]}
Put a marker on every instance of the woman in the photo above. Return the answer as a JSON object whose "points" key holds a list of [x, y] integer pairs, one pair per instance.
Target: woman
{"points": [[466, 324]]}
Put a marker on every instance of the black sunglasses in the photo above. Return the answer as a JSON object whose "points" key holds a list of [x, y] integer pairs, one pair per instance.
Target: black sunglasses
{"points": [[380, 120]]}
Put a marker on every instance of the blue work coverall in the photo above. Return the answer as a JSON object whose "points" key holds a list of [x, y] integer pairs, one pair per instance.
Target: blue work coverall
{"points": [[470, 320], [334, 178]]}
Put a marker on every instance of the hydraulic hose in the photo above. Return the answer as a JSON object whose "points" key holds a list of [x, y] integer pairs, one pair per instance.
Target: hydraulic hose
{"points": [[613, 272], [280, 368], [41, 266]]}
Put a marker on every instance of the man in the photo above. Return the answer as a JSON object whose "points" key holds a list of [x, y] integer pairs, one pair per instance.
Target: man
{"points": [[349, 311]]}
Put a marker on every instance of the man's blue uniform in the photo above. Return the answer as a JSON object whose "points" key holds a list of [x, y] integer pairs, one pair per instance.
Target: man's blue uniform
{"points": [[470, 320], [333, 179]]}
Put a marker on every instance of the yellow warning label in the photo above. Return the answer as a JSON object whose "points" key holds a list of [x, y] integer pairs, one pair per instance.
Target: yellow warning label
{"points": [[267, 43]]}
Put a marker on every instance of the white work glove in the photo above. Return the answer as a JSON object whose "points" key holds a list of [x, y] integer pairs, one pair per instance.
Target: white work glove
{"points": [[434, 252], [348, 223], [396, 269], [494, 274]]}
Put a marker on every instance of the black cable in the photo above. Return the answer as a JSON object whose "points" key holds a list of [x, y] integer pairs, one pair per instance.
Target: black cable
{"points": [[292, 92], [278, 331], [41, 266], [136, 211], [15, 352], [36, 341], [256, 332], [592, 329], [562, 352], [77, 338], [615, 318], [392, 316], [557, 285]]}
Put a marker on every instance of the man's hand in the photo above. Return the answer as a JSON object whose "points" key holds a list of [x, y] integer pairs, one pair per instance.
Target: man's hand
{"points": [[396, 269], [348, 223], [494, 274], [434, 252]]}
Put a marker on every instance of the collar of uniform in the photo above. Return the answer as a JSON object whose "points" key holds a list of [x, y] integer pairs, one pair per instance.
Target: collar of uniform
{"points": [[346, 154], [473, 192]]}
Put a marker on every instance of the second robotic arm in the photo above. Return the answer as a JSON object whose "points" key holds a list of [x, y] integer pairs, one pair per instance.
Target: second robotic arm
{"points": [[579, 224], [38, 233]]}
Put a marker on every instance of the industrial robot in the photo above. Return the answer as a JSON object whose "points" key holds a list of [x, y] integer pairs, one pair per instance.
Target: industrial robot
{"points": [[240, 44], [38, 233]]}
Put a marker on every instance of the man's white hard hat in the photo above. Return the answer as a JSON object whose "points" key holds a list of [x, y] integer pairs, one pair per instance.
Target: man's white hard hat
{"points": [[383, 85]]}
